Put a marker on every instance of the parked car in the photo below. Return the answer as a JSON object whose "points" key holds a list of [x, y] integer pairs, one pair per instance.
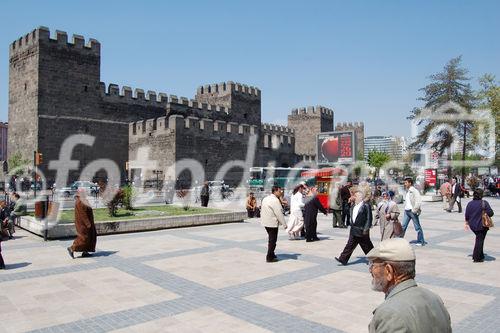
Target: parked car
{"points": [[90, 189]]}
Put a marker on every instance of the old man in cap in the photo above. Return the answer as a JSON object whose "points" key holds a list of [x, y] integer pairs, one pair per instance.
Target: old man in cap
{"points": [[407, 307]]}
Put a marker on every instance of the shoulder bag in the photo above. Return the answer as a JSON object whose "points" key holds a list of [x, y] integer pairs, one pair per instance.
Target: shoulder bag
{"points": [[487, 220]]}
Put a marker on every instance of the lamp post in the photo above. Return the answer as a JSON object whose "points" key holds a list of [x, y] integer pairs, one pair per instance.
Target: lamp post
{"points": [[157, 173]]}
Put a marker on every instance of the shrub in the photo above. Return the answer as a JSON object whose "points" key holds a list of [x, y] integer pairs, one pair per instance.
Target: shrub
{"points": [[184, 195], [113, 199], [129, 195]]}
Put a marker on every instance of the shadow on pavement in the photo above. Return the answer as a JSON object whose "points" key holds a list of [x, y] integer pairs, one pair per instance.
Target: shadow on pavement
{"points": [[18, 265], [103, 254], [289, 256], [359, 260]]}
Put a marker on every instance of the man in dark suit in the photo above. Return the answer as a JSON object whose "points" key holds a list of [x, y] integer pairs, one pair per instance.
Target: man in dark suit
{"points": [[456, 194], [361, 221], [345, 195], [311, 213]]}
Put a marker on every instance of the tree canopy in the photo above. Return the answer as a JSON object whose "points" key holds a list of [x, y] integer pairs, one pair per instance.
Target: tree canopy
{"points": [[377, 159]]}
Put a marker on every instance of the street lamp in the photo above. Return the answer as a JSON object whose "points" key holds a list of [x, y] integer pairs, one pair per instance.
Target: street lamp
{"points": [[157, 173]]}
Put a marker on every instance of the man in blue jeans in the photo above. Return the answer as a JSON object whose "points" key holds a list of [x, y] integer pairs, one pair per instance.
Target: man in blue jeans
{"points": [[413, 203]]}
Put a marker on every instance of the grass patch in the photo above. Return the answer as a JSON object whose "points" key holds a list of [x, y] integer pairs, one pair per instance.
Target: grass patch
{"points": [[101, 214]]}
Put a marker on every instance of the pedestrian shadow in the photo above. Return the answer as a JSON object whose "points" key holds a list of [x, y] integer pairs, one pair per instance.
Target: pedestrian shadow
{"points": [[359, 260], [289, 256], [486, 257], [17, 265], [103, 254]]}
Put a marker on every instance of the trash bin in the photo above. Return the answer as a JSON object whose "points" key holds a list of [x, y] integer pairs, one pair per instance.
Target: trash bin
{"points": [[40, 209]]}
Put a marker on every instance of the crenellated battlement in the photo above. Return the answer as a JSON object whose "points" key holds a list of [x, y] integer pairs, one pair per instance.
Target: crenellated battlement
{"points": [[277, 129], [179, 123], [59, 39], [313, 110], [228, 87], [194, 104], [113, 93], [349, 125], [125, 94]]}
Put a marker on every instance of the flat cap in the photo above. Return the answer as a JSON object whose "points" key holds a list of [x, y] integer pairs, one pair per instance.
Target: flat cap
{"points": [[393, 249]]}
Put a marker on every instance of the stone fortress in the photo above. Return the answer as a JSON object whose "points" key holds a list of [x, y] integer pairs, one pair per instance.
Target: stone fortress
{"points": [[55, 91]]}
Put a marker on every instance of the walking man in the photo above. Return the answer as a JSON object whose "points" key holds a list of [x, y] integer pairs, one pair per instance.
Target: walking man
{"points": [[407, 307], [361, 221], [413, 203], [86, 238], [445, 191], [345, 195], [271, 217], [456, 193], [311, 214], [336, 206]]}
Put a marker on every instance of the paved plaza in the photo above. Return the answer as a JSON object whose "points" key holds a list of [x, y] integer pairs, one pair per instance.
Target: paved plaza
{"points": [[215, 279]]}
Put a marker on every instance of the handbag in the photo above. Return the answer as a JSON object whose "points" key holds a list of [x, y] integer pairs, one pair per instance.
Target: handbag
{"points": [[487, 220]]}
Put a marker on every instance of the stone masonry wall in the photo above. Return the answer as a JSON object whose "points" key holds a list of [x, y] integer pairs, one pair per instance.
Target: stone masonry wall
{"points": [[307, 123], [23, 95]]}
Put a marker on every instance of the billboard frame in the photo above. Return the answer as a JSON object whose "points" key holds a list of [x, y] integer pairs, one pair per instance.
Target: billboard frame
{"points": [[324, 135]]}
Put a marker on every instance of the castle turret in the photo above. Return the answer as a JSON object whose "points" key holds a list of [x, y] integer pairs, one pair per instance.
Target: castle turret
{"points": [[307, 123], [49, 79], [234, 96]]}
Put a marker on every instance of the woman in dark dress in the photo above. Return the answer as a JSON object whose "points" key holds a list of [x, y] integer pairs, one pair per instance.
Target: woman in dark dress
{"points": [[474, 222]]}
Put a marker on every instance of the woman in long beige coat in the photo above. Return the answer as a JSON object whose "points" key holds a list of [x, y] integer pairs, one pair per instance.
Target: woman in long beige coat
{"points": [[387, 213]]}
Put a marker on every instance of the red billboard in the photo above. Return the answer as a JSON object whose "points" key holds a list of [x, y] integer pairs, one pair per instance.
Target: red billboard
{"points": [[430, 177], [336, 147]]}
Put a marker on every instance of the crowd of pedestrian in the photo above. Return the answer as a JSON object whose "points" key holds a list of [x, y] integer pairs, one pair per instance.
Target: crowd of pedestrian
{"points": [[407, 307]]}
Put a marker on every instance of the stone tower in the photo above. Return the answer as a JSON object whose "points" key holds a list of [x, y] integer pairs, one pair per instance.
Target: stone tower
{"points": [[243, 100], [307, 123], [50, 80]]}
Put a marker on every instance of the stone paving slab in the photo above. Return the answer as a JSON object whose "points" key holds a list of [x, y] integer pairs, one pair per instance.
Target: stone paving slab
{"points": [[215, 278]]}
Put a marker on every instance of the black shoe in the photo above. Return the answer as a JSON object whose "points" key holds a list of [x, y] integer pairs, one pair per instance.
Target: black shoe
{"points": [[70, 252], [481, 260], [343, 263], [2, 266], [309, 240], [86, 255], [316, 239], [272, 260]]}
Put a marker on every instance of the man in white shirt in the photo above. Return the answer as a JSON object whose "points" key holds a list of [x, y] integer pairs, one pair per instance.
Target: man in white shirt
{"points": [[271, 217], [455, 196], [413, 204], [361, 221]]}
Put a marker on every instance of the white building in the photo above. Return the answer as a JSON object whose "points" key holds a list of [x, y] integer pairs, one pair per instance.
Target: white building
{"points": [[393, 145]]}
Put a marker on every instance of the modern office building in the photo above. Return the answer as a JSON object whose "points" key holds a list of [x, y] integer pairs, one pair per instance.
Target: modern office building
{"points": [[395, 146]]}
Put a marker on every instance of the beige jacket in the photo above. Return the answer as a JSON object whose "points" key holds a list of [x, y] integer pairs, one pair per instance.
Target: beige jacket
{"points": [[271, 214]]}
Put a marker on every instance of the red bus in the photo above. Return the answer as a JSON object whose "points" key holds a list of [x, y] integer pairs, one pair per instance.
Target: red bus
{"points": [[325, 180]]}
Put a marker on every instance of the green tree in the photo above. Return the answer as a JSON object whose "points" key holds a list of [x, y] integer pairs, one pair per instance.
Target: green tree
{"points": [[451, 85], [489, 98], [377, 159], [17, 163], [469, 157]]}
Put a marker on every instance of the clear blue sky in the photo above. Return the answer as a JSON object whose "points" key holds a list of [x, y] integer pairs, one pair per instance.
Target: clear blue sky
{"points": [[364, 59]]}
